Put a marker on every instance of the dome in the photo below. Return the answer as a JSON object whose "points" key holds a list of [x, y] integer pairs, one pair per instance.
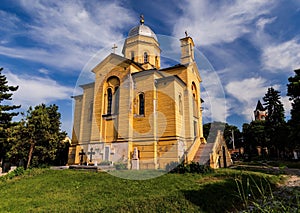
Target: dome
{"points": [[142, 30]]}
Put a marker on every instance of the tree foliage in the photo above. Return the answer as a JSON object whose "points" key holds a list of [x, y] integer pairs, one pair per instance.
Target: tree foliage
{"points": [[293, 89], [233, 136], [275, 125], [6, 113], [274, 107], [254, 135], [38, 140]]}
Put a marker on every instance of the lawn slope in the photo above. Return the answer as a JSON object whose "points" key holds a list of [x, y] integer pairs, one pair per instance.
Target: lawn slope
{"points": [[79, 191]]}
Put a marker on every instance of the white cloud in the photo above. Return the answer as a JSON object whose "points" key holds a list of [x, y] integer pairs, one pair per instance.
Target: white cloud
{"points": [[67, 33], [44, 71], [210, 23], [262, 22], [287, 105], [74, 22], [282, 56], [36, 90], [246, 93], [215, 107], [8, 22]]}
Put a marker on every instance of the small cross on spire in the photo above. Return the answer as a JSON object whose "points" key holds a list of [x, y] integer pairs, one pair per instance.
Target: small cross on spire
{"points": [[186, 34], [114, 48], [142, 20]]}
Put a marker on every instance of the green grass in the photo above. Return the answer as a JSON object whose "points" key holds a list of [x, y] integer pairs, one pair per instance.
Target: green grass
{"points": [[80, 191], [289, 164]]}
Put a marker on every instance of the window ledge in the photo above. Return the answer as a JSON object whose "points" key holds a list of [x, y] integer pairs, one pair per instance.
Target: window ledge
{"points": [[109, 116], [138, 116]]}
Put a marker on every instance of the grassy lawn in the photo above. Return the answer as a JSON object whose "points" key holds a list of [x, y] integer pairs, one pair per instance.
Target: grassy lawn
{"points": [[80, 191]]}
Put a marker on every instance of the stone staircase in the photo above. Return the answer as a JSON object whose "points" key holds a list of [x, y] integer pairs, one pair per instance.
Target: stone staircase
{"points": [[203, 153], [214, 153]]}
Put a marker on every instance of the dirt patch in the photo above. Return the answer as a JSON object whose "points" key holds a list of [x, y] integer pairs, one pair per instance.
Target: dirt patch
{"points": [[293, 181]]}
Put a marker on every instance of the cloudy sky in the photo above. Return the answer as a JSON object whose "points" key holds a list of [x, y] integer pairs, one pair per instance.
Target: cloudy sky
{"points": [[250, 45]]}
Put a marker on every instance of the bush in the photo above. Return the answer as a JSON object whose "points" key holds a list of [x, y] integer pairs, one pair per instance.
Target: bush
{"points": [[105, 163], [170, 166], [18, 171], [15, 173], [175, 167], [120, 166]]}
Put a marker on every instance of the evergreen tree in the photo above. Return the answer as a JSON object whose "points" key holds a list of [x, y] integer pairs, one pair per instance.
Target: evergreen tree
{"points": [[294, 122], [276, 127], [38, 139], [274, 107], [6, 114]]}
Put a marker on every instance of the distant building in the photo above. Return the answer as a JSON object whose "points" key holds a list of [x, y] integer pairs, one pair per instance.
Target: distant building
{"points": [[260, 112]]}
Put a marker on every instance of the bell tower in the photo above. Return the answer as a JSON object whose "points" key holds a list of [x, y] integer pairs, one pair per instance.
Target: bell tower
{"points": [[187, 50], [141, 46]]}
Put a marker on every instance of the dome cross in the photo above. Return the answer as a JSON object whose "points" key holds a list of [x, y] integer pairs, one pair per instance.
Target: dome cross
{"points": [[142, 20]]}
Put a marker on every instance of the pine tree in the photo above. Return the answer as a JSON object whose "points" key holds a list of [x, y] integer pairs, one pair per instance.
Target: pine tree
{"points": [[276, 128], [294, 122], [6, 113], [274, 107]]}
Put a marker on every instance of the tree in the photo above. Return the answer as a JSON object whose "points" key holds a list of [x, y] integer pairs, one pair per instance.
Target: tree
{"points": [[6, 113], [232, 136], [293, 89], [40, 137], [274, 107], [275, 125], [254, 136]]}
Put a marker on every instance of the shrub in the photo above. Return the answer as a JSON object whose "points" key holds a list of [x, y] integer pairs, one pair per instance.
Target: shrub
{"points": [[120, 166], [175, 167], [105, 163], [170, 166], [17, 172]]}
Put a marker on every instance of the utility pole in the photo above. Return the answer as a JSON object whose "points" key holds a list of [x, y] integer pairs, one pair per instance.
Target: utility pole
{"points": [[232, 138]]}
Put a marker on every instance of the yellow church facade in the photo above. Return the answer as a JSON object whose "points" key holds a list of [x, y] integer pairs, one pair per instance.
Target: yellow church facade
{"points": [[134, 110]]}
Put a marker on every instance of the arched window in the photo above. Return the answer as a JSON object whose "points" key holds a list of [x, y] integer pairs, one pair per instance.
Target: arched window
{"points": [[141, 104], [112, 95], [195, 100], [109, 101], [132, 55], [116, 101], [145, 57]]}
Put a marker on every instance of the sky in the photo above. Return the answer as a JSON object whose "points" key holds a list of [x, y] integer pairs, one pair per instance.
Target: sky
{"points": [[47, 47]]}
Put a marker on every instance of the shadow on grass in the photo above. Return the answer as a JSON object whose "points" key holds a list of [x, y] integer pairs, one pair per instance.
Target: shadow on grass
{"points": [[215, 197], [261, 169]]}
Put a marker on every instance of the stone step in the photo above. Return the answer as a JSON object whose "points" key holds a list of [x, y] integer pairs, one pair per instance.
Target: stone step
{"points": [[203, 153]]}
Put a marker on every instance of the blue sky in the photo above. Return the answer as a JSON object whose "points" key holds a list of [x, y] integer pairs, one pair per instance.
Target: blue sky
{"points": [[251, 45]]}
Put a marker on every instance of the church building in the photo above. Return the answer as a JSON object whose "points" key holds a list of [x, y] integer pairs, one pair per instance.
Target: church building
{"points": [[135, 110]]}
